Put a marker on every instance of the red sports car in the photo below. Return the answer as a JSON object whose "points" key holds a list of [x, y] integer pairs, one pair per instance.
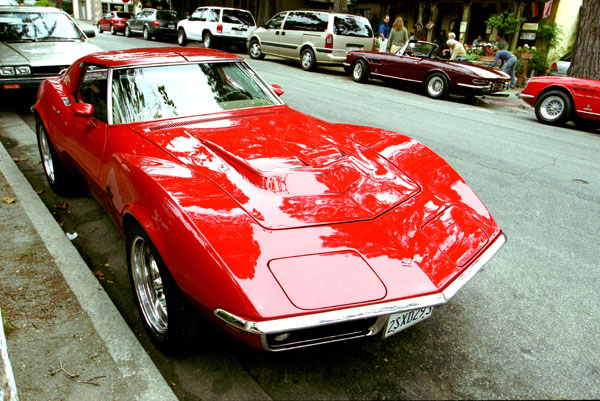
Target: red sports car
{"points": [[560, 99], [114, 22], [416, 63], [283, 229]]}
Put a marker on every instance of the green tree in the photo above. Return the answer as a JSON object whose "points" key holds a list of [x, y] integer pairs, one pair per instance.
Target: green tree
{"points": [[506, 22]]}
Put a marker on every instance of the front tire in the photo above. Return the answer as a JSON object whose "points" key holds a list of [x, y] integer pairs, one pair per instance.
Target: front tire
{"points": [[360, 71], [167, 316], [181, 38], [255, 51], [437, 86], [146, 34], [112, 30], [60, 179], [207, 40], [553, 108], [307, 59], [127, 31]]}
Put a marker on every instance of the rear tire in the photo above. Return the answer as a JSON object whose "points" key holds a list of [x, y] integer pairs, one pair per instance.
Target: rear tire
{"points": [[146, 34], [437, 86], [99, 29], [127, 31], [360, 71], [167, 316], [553, 108], [181, 38], [207, 40], [255, 51], [307, 59], [112, 30]]}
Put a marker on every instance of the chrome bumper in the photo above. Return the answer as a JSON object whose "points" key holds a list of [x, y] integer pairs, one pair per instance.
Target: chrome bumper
{"points": [[522, 95], [378, 311]]}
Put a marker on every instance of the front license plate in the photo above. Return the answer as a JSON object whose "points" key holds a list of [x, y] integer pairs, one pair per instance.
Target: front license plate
{"points": [[171, 26], [400, 321]]}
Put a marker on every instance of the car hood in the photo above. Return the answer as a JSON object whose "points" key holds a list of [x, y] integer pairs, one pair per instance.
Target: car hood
{"points": [[483, 72], [38, 54], [286, 169]]}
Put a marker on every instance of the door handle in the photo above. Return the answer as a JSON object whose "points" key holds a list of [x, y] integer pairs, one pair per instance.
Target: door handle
{"points": [[283, 33], [276, 32]]}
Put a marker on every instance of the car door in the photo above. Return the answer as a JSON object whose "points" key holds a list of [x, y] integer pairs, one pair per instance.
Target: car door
{"points": [[86, 136], [135, 24], [296, 23], [197, 22], [105, 22], [269, 37], [587, 98]]}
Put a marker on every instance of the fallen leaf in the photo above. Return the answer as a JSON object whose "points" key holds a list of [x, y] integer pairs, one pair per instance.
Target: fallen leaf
{"points": [[39, 191], [99, 275], [8, 200], [61, 223], [62, 205]]}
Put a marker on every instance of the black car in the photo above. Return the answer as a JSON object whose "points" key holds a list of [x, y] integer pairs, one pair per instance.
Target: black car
{"points": [[152, 23]]}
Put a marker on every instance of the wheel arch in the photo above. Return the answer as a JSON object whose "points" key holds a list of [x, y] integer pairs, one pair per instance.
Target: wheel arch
{"points": [[439, 71], [560, 88]]}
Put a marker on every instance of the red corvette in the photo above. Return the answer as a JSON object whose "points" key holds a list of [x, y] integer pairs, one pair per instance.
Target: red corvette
{"points": [[560, 99], [285, 230], [416, 63]]}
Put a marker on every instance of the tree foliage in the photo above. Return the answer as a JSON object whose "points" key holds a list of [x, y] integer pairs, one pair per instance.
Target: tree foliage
{"points": [[586, 50], [506, 22]]}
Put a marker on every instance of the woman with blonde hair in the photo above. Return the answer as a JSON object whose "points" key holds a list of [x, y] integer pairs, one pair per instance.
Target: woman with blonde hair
{"points": [[398, 36]]}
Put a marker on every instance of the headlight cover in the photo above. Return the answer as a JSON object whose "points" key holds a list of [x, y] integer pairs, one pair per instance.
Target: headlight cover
{"points": [[12, 71], [478, 81]]}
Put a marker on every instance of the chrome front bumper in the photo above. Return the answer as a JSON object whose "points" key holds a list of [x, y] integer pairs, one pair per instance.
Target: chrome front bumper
{"points": [[377, 312]]}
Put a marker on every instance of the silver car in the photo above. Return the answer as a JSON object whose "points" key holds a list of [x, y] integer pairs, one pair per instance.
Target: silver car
{"points": [[561, 67], [37, 43]]}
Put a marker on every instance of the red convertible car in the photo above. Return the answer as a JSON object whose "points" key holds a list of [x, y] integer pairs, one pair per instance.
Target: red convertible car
{"points": [[416, 63], [284, 230], [560, 99], [114, 21]]}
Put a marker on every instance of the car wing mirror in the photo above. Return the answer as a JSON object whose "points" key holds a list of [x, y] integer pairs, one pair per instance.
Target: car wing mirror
{"points": [[90, 33], [277, 89], [82, 110]]}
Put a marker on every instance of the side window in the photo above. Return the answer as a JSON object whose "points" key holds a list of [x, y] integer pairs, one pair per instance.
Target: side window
{"points": [[109, 15], [275, 22], [213, 15], [199, 14], [93, 90], [306, 21]]}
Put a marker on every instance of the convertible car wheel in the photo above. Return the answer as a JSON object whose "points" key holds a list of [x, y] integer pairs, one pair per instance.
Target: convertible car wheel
{"points": [[166, 314], [181, 38], [437, 86], [553, 108], [254, 50], [307, 60], [360, 71], [60, 179]]}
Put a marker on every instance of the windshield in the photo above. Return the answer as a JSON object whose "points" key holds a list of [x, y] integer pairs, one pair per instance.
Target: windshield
{"points": [[417, 49], [152, 93], [18, 26]]}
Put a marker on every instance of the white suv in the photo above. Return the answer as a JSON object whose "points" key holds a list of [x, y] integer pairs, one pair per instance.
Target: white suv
{"points": [[216, 25], [313, 37]]}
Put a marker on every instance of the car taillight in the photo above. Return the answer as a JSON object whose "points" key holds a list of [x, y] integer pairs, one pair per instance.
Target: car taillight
{"points": [[220, 28], [155, 23], [329, 41], [554, 67]]}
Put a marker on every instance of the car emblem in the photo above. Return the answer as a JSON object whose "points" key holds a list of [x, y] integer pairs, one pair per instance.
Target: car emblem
{"points": [[408, 262]]}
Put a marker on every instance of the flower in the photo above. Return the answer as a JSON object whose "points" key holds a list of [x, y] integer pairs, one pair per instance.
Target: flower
{"points": [[526, 46]]}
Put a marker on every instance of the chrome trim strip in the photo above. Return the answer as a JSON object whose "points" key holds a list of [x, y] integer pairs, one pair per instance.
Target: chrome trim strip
{"points": [[403, 79], [522, 95], [588, 112], [482, 87], [362, 312]]}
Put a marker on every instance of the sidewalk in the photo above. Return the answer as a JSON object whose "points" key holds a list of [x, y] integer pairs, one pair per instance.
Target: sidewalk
{"points": [[65, 338]]}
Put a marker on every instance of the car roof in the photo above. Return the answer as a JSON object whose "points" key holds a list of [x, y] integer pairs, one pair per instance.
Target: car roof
{"points": [[31, 9], [157, 55]]}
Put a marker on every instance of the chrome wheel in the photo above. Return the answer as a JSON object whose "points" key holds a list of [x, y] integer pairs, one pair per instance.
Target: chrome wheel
{"points": [[181, 38], [307, 60], [207, 40], [127, 31], [255, 51], [146, 33], [46, 153], [148, 286], [112, 30], [435, 86], [358, 71], [552, 108]]}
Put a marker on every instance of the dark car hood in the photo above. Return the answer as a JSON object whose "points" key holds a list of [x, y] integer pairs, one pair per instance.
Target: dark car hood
{"points": [[287, 169]]}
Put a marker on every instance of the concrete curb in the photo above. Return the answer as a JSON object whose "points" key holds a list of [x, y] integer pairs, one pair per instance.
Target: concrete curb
{"points": [[124, 348], [8, 387]]}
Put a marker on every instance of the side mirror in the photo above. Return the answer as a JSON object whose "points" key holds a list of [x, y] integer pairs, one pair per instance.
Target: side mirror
{"points": [[277, 89], [90, 33], [82, 110]]}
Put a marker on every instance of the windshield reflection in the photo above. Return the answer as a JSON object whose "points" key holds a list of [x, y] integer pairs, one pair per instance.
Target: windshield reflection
{"points": [[36, 26]]}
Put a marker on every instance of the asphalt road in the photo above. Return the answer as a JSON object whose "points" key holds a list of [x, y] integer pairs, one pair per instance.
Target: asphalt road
{"points": [[526, 327]]}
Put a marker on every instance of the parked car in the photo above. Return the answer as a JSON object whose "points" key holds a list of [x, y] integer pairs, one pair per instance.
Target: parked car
{"points": [[152, 23], [561, 99], [284, 230], [216, 26], [9, 3], [37, 43], [561, 67], [415, 63], [114, 22], [313, 37]]}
